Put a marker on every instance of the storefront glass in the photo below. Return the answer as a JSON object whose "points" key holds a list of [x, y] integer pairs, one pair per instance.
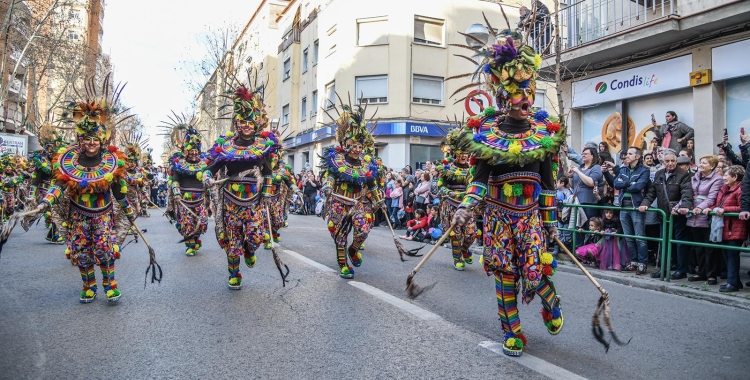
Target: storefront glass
{"points": [[738, 108], [641, 108], [420, 154]]}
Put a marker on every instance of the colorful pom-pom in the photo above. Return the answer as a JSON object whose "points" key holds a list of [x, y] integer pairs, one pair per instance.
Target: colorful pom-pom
{"points": [[479, 137], [109, 177], [199, 176], [546, 141], [342, 169], [220, 141], [553, 127], [473, 161], [474, 123], [528, 190], [546, 258], [120, 163], [264, 134], [514, 148], [112, 148], [124, 189], [490, 112], [541, 115], [517, 189], [547, 271], [508, 190], [229, 134]]}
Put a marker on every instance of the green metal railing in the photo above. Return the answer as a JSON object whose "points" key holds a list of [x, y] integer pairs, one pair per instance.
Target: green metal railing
{"points": [[663, 239], [667, 232], [668, 258]]}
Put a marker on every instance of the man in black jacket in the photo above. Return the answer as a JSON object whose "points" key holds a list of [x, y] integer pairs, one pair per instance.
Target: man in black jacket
{"points": [[673, 193]]}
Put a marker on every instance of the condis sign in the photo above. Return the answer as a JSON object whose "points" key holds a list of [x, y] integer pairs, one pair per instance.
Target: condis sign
{"points": [[646, 80]]}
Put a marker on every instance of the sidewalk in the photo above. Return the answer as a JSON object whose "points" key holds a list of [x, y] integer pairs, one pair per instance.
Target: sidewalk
{"points": [[696, 290]]}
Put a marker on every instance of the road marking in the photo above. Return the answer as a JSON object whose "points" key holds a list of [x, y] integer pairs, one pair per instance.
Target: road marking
{"points": [[397, 302], [309, 262], [527, 360], [534, 363]]}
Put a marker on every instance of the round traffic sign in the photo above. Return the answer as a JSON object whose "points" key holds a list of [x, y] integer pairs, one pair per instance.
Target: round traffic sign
{"points": [[477, 101]]}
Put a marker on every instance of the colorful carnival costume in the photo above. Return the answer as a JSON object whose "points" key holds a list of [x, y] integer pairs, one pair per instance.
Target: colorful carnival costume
{"points": [[41, 179], [187, 198], [240, 201], [514, 174], [136, 179], [283, 185], [10, 179], [91, 176], [353, 186], [454, 177]]}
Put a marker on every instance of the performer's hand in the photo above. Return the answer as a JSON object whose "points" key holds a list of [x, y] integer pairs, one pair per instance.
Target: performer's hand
{"points": [[42, 207], [461, 216], [551, 232], [745, 215], [209, 182], [131, 218]]}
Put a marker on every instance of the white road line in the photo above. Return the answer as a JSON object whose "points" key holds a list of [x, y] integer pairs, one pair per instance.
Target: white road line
{"points": [[397, 302], [309, 262], [529, 361], [534, 363]]}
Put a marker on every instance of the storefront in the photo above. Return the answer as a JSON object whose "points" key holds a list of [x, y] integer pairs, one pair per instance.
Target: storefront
{"points": [[397, 143], [637, 94], [730, 65]]}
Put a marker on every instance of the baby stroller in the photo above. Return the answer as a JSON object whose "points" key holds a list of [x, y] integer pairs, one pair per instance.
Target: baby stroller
{"points": [[319, 205]]}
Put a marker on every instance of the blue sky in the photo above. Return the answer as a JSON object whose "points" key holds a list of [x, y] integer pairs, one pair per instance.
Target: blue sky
{"points": [[148, 40]]}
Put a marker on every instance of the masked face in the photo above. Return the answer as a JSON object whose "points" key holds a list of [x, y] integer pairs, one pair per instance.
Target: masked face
{"points": [[131, 165], [91, 146], [246, 129], [355, 149], [462, 158], [520, 104], [193, 155]]}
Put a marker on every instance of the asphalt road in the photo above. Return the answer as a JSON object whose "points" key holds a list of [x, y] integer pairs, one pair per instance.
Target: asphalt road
{"points": [[320, 326]]}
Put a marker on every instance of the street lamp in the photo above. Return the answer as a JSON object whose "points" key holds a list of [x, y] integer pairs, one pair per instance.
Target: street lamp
{"points": [[480, 32]]}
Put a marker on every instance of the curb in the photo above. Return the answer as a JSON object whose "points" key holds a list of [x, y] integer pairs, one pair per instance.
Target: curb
{"points": [[675, 288]]}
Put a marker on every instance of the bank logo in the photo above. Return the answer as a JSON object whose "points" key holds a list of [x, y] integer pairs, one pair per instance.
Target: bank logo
{"points": [[600, 87]]}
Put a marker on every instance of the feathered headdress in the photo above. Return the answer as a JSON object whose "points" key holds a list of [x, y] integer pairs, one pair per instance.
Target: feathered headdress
{"points": [[247, 105], [146, 157], [7, 160], [98, 113], [182, 132], [133, 146], [450, 146], [49, 138], [507, 66], [351, 126]]}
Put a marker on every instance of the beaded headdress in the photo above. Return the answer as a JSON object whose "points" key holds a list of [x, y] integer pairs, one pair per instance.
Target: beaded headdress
{"points": [[351, 126], [98, 113]]}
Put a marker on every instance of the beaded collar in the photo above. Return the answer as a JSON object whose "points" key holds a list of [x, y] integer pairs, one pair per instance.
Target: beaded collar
{"points": [[182, 166], [367, 172], [82, 179], [490, 143], [226, 150], [451, 173]]}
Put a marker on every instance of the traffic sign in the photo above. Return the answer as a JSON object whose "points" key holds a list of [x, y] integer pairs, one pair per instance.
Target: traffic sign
{"points": [[477, 101]]}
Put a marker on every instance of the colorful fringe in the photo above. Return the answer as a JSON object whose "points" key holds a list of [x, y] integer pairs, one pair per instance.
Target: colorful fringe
{"points": [[462, 237], [362, 220]]}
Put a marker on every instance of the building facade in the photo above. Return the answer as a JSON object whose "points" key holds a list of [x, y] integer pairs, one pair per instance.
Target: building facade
{"points": [[626, 62], [393, 55]]}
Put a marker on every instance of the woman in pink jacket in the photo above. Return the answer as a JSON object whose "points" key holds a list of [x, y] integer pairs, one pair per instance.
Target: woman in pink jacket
{"points": [[706, 185], [397, 203], [735, 230], [422, 192]]}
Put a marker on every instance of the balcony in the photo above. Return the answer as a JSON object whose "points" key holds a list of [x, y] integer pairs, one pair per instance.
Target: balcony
{"points": [[17, 91], [291, 37], [596, 34]]}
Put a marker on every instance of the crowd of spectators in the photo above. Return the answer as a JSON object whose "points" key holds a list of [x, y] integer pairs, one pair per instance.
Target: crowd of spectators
{"points": [[698, 193]]}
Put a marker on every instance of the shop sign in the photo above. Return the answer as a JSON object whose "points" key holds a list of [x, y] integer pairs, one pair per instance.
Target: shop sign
{"points": [[14, 144], [651, 79], [730, 61]]}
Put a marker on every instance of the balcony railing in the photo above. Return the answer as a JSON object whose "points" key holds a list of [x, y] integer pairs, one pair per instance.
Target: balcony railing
{"points": [[292, 37], [589, 20]]}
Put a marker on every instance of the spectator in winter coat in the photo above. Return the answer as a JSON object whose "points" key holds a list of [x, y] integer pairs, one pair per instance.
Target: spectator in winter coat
{"points": [[673, 193], [706, 185], [633, 181], [422, 190], [735, 230], [674, 134], [397, 203]]}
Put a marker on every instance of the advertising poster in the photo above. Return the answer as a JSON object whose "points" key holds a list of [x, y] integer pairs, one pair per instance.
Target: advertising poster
{"points": [[738, 109], [603, 123]]}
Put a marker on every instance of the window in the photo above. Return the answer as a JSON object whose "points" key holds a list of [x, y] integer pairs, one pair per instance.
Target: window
{"points": [[287, 68], [428, 30], [330, 95], [285, 115], [540, 101], [304, 108], [332, 40], [316, 49], [427, 90], [73, 36], [304, 60], [372, 89], [314, 106], [74, 15], [372, 31]]}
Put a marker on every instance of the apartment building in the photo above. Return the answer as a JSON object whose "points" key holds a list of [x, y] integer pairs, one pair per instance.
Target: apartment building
{"points": [[12, 41], [626, 60], [255, 50], [395, 55]]}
